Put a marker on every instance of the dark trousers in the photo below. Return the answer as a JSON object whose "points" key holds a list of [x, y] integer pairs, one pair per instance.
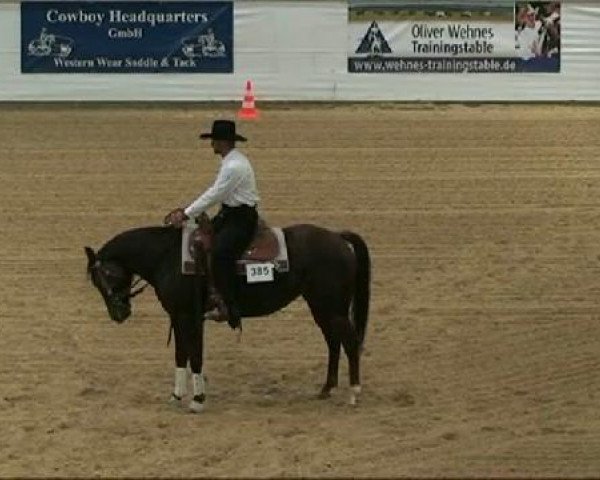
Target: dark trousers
{"points": [[234, 228]]}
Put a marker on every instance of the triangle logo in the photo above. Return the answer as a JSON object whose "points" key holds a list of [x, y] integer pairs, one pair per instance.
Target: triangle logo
{"points": [[374, 43]]}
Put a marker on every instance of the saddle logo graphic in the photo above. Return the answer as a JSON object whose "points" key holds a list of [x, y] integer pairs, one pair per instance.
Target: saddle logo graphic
{"points": [[48, 44], [206, 45], [374, 43]]}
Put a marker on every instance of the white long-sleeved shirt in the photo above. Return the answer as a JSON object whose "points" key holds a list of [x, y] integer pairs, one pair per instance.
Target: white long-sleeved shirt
{"points": [[235, 185], [528, 42]]}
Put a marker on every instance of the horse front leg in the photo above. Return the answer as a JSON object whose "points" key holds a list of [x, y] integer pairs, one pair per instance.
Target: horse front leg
{"points": [[181, 361], [196, 345]]}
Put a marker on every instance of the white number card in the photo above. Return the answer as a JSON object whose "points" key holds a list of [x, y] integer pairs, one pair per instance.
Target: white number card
{"points": [[259, 272]]}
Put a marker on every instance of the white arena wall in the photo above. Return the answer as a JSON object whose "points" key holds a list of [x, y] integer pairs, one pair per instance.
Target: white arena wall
{"points": [[297, 50]]}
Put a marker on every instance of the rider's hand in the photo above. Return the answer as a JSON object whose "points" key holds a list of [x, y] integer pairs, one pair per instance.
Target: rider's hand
{"points": [[176, 218]]}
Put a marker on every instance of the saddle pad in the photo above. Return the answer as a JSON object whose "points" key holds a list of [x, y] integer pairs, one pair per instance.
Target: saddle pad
{"points": [[188, 267], [280, 262]]}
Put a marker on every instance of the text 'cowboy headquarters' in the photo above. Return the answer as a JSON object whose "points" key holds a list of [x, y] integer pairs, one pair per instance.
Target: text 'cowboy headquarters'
{"points": [[113, 17]]}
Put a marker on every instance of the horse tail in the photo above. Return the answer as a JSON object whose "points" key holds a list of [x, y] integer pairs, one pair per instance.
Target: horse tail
{"points": [[362, 289]]}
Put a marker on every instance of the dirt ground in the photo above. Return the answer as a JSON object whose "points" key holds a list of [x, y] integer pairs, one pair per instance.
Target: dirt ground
{"points": [[483, 350]]}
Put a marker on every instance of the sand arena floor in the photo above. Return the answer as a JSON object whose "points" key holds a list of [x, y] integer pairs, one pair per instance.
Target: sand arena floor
{"points": [[483, 350]]}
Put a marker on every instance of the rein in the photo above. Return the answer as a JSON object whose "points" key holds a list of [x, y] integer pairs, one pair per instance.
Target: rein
{"points": [[135, 293], [109, 290]]}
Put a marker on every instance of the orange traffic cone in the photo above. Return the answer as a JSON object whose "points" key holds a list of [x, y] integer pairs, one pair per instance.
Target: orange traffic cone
{"points": [[248, 110]]}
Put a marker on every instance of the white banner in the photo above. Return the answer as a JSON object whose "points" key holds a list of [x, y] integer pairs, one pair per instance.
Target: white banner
{"points": [[488, 37], [274, 50]]}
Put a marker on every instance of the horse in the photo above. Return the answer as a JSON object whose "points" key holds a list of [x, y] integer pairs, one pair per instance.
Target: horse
{"points": [[330, 270]]}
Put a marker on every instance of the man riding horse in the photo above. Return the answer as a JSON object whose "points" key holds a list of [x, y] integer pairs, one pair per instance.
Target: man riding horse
{"points": [[235, 224], [330, 270]]}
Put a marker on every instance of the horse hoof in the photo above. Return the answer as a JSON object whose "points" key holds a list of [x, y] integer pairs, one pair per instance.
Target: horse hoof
{"points": [[174, 400], [356, 389], [325, 393], [197, 404]]}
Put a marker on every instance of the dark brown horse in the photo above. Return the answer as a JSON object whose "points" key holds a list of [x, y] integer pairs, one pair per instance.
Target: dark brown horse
{"points": [[330, 270]]}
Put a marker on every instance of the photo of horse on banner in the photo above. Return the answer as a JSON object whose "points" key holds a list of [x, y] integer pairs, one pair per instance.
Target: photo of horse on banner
{"points": [[48, 44], [205, 45]]}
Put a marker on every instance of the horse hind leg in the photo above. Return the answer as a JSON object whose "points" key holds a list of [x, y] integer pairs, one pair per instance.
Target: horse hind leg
{"points": [[325, 323], [351, 344], [338, 331], [333, 346]]}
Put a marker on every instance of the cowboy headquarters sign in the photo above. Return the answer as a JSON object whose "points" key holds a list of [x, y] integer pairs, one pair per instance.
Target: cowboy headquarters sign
{"points": [[457, 36], [126, 37]]}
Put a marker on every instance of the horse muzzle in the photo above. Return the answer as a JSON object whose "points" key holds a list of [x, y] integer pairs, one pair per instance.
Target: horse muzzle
{"points": [[119, 313]]}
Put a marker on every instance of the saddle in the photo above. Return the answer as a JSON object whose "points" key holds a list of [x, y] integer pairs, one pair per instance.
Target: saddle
{"points": [[267, 246]]}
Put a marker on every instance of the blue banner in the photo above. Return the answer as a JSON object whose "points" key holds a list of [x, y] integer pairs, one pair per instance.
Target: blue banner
{"points": [[127, 37]]}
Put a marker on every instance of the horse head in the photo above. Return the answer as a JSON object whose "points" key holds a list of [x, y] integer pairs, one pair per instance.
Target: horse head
{"points": [[113, 282]]}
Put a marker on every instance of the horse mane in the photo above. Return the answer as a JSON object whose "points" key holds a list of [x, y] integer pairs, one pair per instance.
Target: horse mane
{"points": [[149, 242]]}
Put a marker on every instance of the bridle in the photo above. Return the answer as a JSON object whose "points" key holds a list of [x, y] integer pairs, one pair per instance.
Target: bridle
{"points": [[115, 297]]}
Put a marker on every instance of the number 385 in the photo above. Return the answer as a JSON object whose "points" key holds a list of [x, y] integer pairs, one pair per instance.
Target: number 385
{"points": [[259, 271]]}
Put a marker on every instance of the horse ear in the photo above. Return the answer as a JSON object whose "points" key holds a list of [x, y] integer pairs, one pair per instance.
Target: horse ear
{"points": [[91, 255]]}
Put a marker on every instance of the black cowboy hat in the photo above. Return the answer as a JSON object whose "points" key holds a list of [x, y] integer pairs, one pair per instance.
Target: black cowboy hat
{"points": [[223, 130]]}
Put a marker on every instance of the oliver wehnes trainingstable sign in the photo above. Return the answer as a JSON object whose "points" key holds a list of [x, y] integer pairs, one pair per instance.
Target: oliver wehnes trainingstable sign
{"points": [[126, 37], [479, 36]]}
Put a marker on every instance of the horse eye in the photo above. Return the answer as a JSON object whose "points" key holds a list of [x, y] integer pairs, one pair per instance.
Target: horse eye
{"points": [[109, 273]]}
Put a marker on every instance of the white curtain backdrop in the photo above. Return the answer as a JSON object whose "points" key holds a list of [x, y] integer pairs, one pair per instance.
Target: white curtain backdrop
{"points": [[297, 50]]}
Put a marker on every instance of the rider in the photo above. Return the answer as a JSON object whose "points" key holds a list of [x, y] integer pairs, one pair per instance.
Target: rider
{"points": [[46, 41], [528, 39], [210, 38], [207, 40], [235, 224]]}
